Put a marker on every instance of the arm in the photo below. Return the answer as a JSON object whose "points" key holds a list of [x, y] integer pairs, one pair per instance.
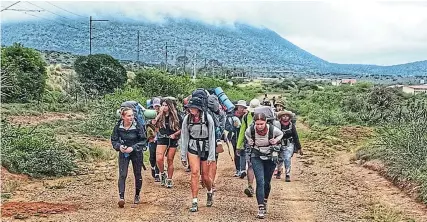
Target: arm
{"points": [[277, 133], [241, 137], [115, 139], [185, 138], [296, 139], [211, 135], [142, 139], [248, 136]]}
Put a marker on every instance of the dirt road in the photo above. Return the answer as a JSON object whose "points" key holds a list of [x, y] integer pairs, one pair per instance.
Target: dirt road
{"points": [[323, 188]]}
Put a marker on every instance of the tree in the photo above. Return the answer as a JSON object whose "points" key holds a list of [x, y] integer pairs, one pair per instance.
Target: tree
{"points": [[23, 74], [100, 74]]}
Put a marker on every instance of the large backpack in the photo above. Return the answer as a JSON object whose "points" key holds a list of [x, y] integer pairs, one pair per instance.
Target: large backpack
{"points": [[270, 135], [229, 124], [203, 95], [204, 121]]}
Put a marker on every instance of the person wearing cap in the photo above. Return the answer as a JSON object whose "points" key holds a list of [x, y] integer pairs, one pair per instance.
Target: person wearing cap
{"points": [[241, 146], [290, 143], [279, 106], [239, 111], [198, 148]]}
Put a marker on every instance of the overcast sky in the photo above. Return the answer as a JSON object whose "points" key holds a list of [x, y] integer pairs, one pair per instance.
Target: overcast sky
{"points": [[363, 32]]}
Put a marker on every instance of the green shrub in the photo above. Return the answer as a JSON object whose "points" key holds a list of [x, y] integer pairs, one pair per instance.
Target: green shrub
{"points": [[36, 154], [100, 74], [23, 74]]}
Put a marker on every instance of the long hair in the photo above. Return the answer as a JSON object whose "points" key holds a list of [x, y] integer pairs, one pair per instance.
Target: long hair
{"points": [[173, 117]]}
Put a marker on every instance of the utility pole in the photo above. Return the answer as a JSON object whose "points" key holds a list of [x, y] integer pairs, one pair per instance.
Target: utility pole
{"points": [[166, 55], [137, 50], [90, 31]]}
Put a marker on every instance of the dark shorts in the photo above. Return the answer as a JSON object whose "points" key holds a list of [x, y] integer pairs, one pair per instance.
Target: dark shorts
{"points": [[206, 155], [168, 142]]}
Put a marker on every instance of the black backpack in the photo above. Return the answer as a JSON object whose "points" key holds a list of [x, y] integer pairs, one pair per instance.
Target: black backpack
{"points": [[203, 95]]}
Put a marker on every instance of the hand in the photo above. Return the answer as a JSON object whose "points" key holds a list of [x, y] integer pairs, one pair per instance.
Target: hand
{"points": [[128, 149], [237, 152], [154, 121], [251, 142], [236, 124], [172, 136], [273, 141], [210, 162], [184, 163], [123, 148]]}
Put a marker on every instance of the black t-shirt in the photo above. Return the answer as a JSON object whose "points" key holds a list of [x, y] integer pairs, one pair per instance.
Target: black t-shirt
{"points": [[167, 129]]}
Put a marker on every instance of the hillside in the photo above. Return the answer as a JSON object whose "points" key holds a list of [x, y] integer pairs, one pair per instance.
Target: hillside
{"points": [[240, 46]]}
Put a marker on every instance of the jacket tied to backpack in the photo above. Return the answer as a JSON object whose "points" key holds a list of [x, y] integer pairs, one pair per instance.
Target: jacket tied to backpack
{"points": [[262, 147], [199, 137]]}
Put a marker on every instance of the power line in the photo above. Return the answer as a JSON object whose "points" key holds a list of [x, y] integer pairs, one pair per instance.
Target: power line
{"points": [[51, 20], [66, 10], [24, 10], [49, 11], [10, 6]]}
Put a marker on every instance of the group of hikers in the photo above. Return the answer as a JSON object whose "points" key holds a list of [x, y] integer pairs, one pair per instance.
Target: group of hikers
{"points": [[263, 136]]}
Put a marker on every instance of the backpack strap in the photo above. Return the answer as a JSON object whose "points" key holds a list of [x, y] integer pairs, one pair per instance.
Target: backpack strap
{"points": [[253, 133]]}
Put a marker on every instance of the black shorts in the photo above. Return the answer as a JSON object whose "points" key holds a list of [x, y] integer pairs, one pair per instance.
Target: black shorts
{"points": [[206, 155], [167, 142]]}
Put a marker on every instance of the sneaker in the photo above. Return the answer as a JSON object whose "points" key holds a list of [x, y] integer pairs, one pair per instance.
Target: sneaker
{"points": [[194, 207], [136, 199], [163, 179], [157, 178], [169, 183], [209, 201], [261, 212], [288, 178], [278, 175], [237, 174], [121, 203], [249, 191], [242, 174]]}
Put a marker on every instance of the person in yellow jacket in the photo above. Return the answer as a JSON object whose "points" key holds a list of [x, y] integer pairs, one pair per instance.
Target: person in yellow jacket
{"points": [[241, 146]]}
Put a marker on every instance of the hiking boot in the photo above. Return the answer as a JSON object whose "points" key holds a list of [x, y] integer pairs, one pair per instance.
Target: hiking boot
{"points": [[157, 178], [163, 179], [194, 207], [288, 178], [121, 203], [169, 183], [278, 175], [209, 201], [249, 191], [242, 174], [261, 212], [136, 199]]}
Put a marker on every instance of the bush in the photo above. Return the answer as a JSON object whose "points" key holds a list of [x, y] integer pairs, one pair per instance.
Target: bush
{"points": [[34, 153], [100, 74], [23, 74]]}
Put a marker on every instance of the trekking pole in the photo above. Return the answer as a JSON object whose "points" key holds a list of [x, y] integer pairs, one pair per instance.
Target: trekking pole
{"points": [[229, 153]]}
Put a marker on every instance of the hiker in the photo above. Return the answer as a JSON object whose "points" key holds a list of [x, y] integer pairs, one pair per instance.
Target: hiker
{"points": [[290, 143], [218, 116], [169, 124], [198, 148], [241, 147], [279, 106], [129, 139], [274, 101], [152, 145], [240, 111], [262, 138]]}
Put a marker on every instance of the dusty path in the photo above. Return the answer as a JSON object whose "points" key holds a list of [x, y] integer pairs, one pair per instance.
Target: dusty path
{"points": [[323, 188]]}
